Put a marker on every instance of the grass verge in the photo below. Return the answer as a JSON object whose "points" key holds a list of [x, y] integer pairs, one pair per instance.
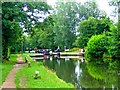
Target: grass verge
{"points": [[25, 77], [7, 66]]}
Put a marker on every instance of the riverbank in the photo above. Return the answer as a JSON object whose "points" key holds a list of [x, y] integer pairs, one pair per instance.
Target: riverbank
{"points": [[25, 78]]}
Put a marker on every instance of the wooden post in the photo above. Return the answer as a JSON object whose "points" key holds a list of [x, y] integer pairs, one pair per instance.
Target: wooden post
{"points": [[29, 64]]}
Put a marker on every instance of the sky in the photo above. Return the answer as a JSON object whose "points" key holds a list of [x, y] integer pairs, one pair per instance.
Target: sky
{"points": [[102, 4]]}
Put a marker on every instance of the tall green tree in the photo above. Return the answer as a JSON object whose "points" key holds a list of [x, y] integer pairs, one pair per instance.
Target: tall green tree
{"points": [[90, 9], [11, 30], [15, 18], [43, 35], [114, 48], [66, 20], [67, 16], [90, 27]]}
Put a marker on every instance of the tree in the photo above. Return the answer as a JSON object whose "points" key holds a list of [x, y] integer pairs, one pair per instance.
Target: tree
{"points": [[90, 9], [43, 35], [114, 48], [11, 30], [65, 26], [36, 12], [15, 18], [114, 40], [116, 5], [67, 16], [90, 27]]}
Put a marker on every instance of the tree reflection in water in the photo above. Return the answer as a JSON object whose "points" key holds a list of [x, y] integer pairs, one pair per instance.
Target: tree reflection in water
{"points": [[102, 75], [86, 75]]}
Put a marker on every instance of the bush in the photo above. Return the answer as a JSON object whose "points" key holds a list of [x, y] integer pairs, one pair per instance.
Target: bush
{"points": [[96, 47]]}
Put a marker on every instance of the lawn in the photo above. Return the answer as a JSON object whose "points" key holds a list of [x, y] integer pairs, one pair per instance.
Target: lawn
{"points": [[7, 66], [25, 77]]}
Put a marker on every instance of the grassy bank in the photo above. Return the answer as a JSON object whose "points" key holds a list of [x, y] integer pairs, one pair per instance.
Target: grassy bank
{"points": [[47, 79], [7, 66]]}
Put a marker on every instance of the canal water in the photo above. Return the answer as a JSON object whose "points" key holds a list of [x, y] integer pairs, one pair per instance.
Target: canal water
{"points": [[84, 75]]}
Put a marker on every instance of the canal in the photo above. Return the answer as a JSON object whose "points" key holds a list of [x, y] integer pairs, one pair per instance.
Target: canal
{"points": [[73, 69]]}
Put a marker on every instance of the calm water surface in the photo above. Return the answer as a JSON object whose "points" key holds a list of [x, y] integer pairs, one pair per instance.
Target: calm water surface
{"points": [[84, 75]]}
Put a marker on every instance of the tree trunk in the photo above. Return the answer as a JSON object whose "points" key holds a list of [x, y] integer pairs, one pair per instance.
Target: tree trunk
{"points": [[6, 53]]}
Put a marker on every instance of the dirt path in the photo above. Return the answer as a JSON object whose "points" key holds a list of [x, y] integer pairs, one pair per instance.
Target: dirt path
{"points": [[10, 80]]}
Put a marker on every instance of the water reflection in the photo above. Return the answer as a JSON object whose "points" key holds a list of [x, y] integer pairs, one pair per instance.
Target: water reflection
{"points": [[85, 75], [51, 58], [44, 57], [77, 69], [105, 74]]}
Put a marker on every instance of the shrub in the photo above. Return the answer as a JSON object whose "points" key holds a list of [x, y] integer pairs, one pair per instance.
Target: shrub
{"points": [[96, 47]]}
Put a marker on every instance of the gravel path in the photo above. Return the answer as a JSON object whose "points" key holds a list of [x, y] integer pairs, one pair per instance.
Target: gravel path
{"points": [[10, 80]]}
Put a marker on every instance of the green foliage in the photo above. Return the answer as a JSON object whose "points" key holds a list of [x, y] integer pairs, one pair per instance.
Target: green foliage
{"points": [[90, 27], [67, 16], [66, 20], [42, 35], [86, 28], [105, 45], [96, 47], [15, 18], [114, 40], [90, 9], [10, 26]]}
